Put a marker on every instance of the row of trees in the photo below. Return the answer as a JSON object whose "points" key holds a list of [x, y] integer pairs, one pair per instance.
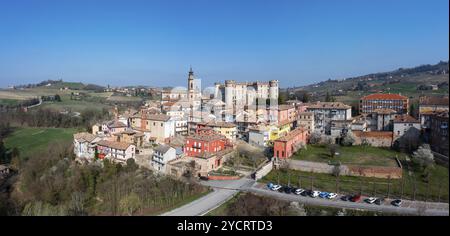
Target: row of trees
{"points": [[51, 118]]}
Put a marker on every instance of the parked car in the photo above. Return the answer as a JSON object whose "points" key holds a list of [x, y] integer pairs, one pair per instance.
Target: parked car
{"points": [[275, 187], [332, 195], [204, 178], [306, 193], [379, 201], [287, 189], [346, 198], [269, 185], [397, 202], [356, 198], [370, 200], [299, 191], [323, 194], [314, 194]]}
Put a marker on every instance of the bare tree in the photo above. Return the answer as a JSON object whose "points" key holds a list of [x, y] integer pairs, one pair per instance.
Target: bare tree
{"points": [[348, 139], [332, 148], [315, 137]]}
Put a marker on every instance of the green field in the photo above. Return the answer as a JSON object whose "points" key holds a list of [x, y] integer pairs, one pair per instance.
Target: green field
{"points": [[356, 155], [9, 102], [32, 140]]}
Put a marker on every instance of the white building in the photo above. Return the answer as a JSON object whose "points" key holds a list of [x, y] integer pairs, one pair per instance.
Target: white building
{"points": [[161, 155], [84, 145], [402, 124], [115, 151], [326, 112]]}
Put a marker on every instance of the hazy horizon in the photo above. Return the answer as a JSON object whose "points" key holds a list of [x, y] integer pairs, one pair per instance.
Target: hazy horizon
{"points": [[154, 43]]}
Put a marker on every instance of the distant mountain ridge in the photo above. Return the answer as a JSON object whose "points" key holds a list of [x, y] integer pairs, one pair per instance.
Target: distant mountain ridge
{"points": [[440, 68]]}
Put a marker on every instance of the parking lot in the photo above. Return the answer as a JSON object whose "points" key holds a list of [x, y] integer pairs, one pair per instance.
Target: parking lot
{"points": [[407, 207]]}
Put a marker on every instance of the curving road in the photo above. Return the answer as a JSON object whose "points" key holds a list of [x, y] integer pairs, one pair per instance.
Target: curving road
{"points": [[223, 191]]}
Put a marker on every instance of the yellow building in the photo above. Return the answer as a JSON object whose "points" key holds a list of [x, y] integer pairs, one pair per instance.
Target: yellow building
{"points": [[229, 130]]}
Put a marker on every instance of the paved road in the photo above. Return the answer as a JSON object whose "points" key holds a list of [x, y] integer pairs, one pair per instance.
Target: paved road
{"points": [[35, 105], [408, 207], [223, 191]]}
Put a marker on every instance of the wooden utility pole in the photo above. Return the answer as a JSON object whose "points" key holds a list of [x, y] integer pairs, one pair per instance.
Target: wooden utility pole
{"points": [[403, 186], [289, 179], [360, 187], [312, 183], [299, 181], [337, 184], [439, 193], [389, 187]]}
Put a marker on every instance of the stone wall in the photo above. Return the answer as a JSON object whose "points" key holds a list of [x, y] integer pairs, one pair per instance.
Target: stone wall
{"points": [[347, 170], [263, 171]]}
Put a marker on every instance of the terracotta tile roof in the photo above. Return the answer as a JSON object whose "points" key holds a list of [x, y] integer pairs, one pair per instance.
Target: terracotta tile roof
{"points": [[132, 132], [114, 145], [434, 100], [84, 136], [218, 124], [206, 137], [384, 96], [328, 105], [373, 134], [162, 148], [158, 117], [117, 124], [285, 107], [384, 111], [291, 135], [405, 119]]}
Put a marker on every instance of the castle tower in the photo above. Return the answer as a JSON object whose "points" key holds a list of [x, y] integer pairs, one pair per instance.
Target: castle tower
{"points": [[273, 89]]}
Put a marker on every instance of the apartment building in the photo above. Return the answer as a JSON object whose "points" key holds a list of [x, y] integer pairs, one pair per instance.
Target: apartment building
{"points": [[375, 101], [162, 154], [326, 112]]}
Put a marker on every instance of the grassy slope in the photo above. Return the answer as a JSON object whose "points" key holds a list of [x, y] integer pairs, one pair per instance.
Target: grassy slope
{"points": [[31, 140], [9, 102], [360, 155]]}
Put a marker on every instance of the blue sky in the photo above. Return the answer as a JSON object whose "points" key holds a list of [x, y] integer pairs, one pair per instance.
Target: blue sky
{"points": [[154, 42]]}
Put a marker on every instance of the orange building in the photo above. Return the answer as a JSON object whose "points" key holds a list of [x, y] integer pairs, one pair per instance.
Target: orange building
{"points": [[287, 145]]}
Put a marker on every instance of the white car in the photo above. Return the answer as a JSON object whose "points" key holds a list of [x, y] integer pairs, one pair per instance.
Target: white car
{"points": [[299, 191], [276, 187], [371, 200], [332, 196], [315, 194]]}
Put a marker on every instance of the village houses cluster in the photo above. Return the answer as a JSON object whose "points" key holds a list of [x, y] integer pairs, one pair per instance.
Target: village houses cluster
{"points": [[192, 132]]}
